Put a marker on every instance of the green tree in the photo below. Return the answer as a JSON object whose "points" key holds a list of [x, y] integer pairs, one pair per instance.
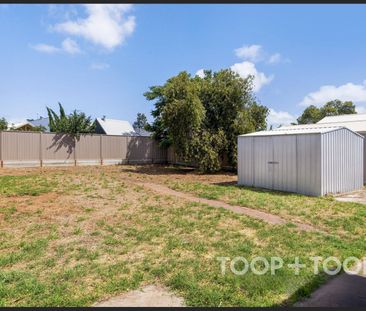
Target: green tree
{"points": [[74, 123], [183, 113], [310, 115], [3, 124], [141, 121], [202, 117], [335, 107]]}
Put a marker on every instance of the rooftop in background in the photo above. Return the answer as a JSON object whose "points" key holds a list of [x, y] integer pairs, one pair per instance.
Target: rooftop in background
{"points": [[142, 132], [44, 122], [114, 127], [26, 126], [298, 129], [355, 122]]}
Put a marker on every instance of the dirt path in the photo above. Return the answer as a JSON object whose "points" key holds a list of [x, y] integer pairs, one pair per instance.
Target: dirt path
{"points": [[267, 217]]}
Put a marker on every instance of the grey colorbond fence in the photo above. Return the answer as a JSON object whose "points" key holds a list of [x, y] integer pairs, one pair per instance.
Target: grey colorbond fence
{"points": [[52, 149]]}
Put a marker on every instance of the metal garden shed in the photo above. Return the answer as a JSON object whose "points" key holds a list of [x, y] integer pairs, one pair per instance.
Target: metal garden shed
{"points": [[355, 122], [308, 159]]}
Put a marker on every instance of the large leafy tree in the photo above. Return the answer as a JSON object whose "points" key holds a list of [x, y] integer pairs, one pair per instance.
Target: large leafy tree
{"points": [[202, 117], [335, 107], [3, 124], [183, 113], [74, 123]]}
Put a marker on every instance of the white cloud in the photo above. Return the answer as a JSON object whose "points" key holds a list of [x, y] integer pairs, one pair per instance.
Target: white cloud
{"points": [[67, 46], [45, 48], [106, 25], [99, 66], [275, 58], [348, 91], [246, 68], [200, 73], [255, 53], [249, 52], [70, 46], [276, 118]]}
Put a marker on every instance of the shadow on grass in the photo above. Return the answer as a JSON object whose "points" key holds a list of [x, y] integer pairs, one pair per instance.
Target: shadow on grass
{"points": [[160, 169], [341, 290], [303, 293], [254, 189]]}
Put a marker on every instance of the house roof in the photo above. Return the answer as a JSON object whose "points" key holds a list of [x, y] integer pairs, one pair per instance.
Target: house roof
{"points": [[44, 122], [116, 127], [297, 129], [355, 122], [16, 126]]}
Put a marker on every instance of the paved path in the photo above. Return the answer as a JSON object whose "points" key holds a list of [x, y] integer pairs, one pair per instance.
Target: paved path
{"points": [[149, 296], [267, 217], [358, 196], [344, 290]]}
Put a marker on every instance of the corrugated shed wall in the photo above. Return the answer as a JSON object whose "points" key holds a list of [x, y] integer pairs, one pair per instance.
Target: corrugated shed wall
{"points": [[342, 161], [364, 155], [245, 161], [285, 162], [308, 158], [262, 155], [311, 164]]}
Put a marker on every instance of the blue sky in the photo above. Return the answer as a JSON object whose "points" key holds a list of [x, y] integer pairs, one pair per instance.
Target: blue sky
{"points": [[101, 58]]}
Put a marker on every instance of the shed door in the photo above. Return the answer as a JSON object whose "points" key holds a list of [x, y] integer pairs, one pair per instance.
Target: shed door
{"points": [[284, 163], [263, 158]]}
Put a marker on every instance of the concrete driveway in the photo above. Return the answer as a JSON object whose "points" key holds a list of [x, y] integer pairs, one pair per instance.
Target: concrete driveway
{"points": [[358, 196], [344, 290]]}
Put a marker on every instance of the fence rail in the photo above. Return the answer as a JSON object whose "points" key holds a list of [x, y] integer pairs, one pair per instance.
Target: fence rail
{"points": [[54, 149]]}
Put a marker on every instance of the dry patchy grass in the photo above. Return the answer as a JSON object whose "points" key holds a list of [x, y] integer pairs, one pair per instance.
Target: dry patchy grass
{"points": [[73, 236]]}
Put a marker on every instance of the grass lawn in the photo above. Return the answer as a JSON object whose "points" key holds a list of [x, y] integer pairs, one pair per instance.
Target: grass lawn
{"points": [[344, 219], [74, 236]]}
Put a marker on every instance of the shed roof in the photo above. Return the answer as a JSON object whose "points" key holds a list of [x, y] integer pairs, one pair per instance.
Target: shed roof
{"points": [[355, 122], [116, 127], [297, 129]]}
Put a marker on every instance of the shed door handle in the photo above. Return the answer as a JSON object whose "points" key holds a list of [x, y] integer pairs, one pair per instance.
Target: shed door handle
{"points": [[273, 162]]}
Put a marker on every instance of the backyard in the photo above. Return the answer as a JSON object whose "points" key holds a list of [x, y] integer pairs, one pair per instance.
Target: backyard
{"points": [[75, 236]]}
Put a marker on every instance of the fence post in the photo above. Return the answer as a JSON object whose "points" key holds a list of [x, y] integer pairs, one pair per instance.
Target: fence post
{"points": [[127, 153], [40, 150], [1, 150], [75, 157], [153, 151], [101, 149]]}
